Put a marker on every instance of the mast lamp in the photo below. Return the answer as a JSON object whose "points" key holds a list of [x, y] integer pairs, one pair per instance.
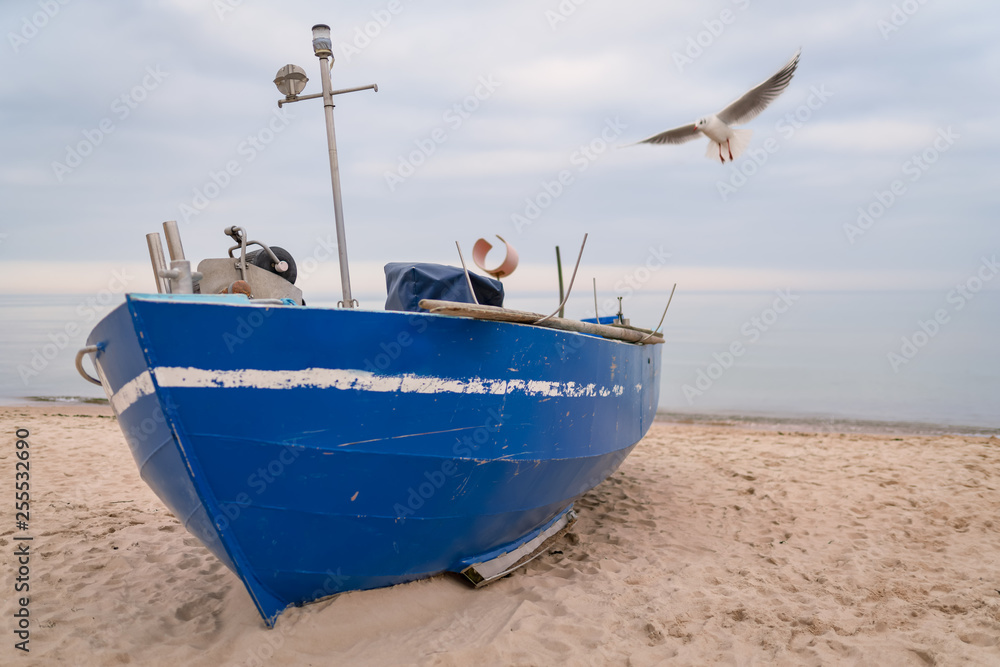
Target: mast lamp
{"points": [[322, 44]]}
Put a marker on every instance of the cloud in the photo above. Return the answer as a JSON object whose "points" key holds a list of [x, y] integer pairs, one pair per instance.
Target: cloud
{"points": [[864, 136], [559, 85]]}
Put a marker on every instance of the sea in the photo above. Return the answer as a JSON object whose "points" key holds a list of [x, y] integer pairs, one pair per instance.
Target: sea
{"points": [[899, 361]]}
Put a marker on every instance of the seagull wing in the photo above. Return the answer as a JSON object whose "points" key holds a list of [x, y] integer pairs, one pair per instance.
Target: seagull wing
{"points": [[756, 100], [678, 135]]}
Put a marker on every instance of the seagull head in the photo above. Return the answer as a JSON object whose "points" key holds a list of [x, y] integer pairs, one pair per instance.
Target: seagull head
{"points": [[701, 123]]}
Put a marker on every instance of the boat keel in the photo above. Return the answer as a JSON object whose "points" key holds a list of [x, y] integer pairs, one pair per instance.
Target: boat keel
{"points": [[499, 563]]}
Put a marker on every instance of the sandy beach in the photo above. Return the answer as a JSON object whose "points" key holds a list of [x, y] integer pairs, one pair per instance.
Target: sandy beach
{"points": [[712, 545]]}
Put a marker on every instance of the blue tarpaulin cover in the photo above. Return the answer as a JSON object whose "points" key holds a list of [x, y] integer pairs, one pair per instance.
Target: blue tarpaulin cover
{"points": [[407, 283]]}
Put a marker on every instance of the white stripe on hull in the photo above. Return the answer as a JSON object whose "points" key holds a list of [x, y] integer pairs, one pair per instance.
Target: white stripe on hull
{"points": [[132, 391], [344, 379]]}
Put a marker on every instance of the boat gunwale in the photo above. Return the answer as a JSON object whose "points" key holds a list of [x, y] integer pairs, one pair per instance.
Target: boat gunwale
{"points": [[452, 309], [617, 332]]}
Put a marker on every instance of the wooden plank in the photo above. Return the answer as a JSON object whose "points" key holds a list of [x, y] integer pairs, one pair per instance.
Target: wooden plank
{"points": [[497, 314]]}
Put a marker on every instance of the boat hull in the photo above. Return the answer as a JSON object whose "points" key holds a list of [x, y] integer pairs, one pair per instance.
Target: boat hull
{"points": [[316, 450]]}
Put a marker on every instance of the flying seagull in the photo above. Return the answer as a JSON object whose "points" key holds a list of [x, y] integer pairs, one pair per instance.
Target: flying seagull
{"points": [[724, 141]]}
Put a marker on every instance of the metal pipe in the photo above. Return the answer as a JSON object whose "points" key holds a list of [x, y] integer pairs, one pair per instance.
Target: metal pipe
{"points": [[467, 278], [240, 236], [597, 314], [79, 363], [181, 278], [158, 262], [571, 279], [338, 209], [559, 269], [662, 317], [173, 236], [298, 98], [370, 86], [279, 265]]}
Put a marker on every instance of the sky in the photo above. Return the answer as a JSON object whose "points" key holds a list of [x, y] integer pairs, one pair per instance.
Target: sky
{"points": [[875, 169]]}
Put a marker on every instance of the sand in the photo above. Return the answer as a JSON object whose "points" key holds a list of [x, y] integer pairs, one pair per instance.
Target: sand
{"points": [[711, 545]]}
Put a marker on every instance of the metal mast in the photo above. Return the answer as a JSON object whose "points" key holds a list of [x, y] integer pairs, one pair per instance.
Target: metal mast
{"points": [[291, 79]]}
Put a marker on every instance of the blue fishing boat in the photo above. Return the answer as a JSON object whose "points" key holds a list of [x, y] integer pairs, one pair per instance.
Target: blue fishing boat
{"points": [[318, 450]]}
